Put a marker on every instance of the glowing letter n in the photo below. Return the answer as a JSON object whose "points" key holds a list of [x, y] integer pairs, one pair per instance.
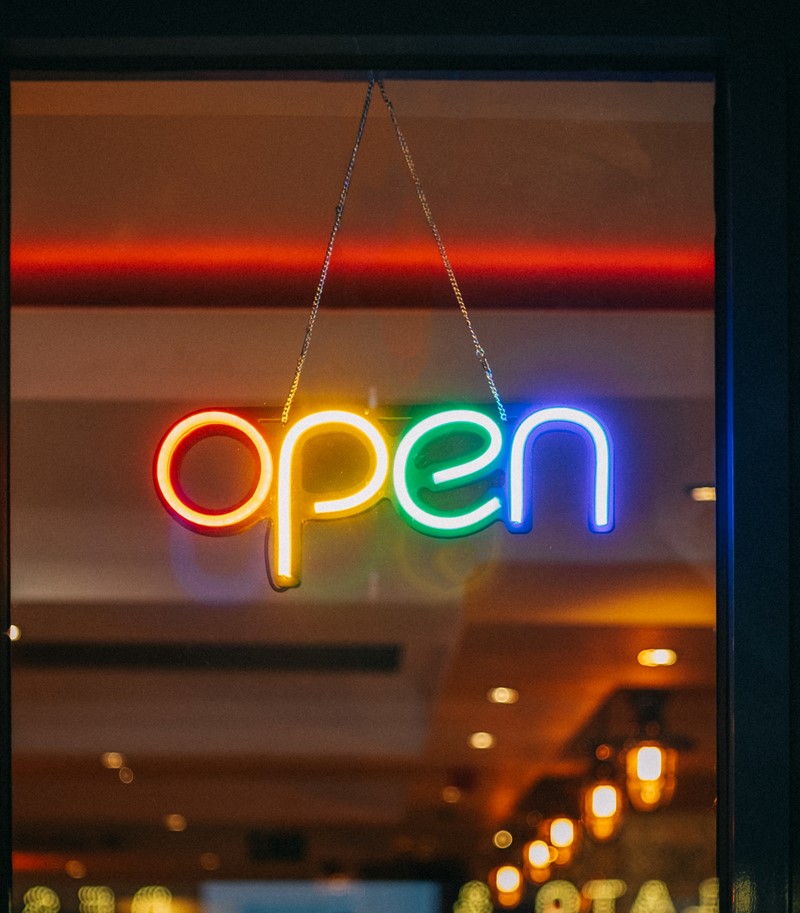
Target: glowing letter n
{"points": [[520, 483]]}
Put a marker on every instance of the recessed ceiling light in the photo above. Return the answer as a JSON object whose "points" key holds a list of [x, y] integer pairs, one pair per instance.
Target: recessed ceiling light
{"points": [[175, 822], [502, 695], [482, 740], [659, 656], [451, 795], [210, 861]]}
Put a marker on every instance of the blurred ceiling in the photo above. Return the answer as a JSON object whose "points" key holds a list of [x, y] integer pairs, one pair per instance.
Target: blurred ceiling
{"points": [[548, 194], [351, 708]]}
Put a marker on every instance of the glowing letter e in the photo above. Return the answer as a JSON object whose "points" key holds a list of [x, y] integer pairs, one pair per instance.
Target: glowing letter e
{"points": [[561, 418], [408, 479], [287, 521]]}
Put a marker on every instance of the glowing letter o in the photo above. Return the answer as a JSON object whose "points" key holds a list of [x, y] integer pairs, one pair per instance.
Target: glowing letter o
{"points": [[215, 421]]}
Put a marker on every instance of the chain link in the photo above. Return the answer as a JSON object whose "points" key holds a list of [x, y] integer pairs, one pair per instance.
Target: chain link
{"points": [[328, 253], [479, 350]]}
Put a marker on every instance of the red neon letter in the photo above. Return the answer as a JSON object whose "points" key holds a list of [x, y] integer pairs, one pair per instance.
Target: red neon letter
{"points": [[174, 446]]}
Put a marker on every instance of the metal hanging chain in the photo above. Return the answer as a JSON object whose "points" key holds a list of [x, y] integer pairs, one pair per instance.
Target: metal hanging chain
{"points": [[479, 350], [326, 262]]}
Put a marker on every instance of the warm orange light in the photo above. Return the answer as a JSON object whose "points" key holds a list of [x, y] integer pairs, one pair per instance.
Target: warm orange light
{"points": [[481, 740], [605, 801], [36, 862], [602, 810], [651, 777], [36, 261], [509, 879], [649, 762], [658, 656], [175, 822], [167, 466], [538, 854], [502, 839], [562, 833], [507, 883], [75, 869], [503, 695]]}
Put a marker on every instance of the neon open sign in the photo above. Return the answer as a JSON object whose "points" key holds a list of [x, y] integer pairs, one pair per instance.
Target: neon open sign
{"points": [[459, 451]]}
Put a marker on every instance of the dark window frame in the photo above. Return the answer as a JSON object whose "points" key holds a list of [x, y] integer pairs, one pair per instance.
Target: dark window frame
{"points": [[749, 53]]}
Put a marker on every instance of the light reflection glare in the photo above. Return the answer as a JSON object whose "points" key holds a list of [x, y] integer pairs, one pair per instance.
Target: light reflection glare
{"points": [[75, 869], [649, 763], [503, 695], [509, 879], [538, 854], [481, 740], [451, 794], [113, 760], [175, 822], [14, 632], [659, 656], [604, 801], [126, 775], [502, 839], [562, 832]]}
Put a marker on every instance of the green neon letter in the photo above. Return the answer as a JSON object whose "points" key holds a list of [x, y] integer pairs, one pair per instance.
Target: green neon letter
{"points": [[410, 478]]}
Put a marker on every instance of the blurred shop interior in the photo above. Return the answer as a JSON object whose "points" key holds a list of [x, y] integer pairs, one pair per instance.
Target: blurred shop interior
{"points": [[453, 722]]}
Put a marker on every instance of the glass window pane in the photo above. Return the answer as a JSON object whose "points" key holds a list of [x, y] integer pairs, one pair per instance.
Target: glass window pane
{"points": [[490, 686]]}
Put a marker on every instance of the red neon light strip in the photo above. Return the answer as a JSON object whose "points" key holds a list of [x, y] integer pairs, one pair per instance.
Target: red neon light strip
{"points": [[43, 270], [37, 862], [31, 258]]}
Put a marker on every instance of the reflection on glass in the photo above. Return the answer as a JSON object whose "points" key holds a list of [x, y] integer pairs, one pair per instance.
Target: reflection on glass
{"points": [[603, 810], [651, 776], [335, 737]]}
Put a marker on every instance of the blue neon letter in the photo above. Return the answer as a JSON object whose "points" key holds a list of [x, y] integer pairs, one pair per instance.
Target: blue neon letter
{"points": [[560, 418]]}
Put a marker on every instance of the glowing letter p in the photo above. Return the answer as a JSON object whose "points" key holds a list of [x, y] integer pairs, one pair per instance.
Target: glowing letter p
{"points": [[287, 523]]}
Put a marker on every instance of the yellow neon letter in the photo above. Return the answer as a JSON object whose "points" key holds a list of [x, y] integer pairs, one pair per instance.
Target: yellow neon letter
{"points": [[287, 534], [167, 465]]}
